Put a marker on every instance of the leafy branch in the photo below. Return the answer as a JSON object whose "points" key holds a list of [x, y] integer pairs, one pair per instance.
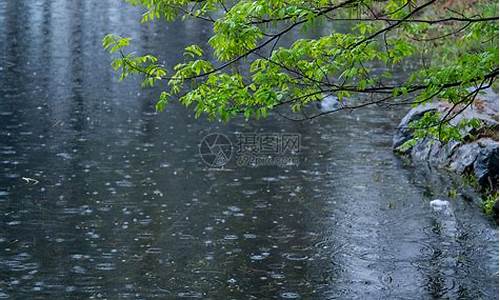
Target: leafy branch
{"points": [[458, 47]]}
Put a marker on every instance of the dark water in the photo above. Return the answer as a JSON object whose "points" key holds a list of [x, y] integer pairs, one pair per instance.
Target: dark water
{"points": [[124, 208]]}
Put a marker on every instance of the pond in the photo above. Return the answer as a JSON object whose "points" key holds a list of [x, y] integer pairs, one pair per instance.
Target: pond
{"points": [[102, 197]]}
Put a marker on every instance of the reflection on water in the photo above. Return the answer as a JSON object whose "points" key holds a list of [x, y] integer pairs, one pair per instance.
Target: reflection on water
{"points": [[125, 208]]}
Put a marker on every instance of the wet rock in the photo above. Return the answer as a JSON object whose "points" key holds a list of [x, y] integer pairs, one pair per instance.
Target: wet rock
{"points": [[403, 132], [473, 112], [486, 164], [421, 151], [329, 103], [464, 157], [476, 154], [443, 157], [434, 152], [487, 101]]}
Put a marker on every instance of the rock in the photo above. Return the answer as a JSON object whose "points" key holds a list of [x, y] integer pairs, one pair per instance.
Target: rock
{"points": [[486, 164], [464, 157], [472, 112], [487, 101], [441, 206], [420, 152], [490, 96], [476, 154], [434, 151], [403, 132], [329, 103], [445, 153], [484, 109], [487, 121]]}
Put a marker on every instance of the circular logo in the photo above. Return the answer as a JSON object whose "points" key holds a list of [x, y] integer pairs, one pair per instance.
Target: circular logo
{"points": [[216, 150]]}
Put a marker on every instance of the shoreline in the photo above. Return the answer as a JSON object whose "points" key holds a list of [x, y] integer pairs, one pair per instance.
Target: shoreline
{"points": [[474, 157]]}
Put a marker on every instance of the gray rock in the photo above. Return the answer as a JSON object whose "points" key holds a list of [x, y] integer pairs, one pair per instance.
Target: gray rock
{"points": [[403, 132], [486, 164], [478, 158], [421, 151], [329, 103], [490, 98], [445, 153], [434, 152], [464, 157], [473, 113], [487, 121]]}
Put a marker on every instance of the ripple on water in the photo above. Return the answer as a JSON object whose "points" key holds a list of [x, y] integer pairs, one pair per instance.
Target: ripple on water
{"points": [[124, 183], [276, 266], [289, 295], [79, 256], [153, 251], [18, 266], [270, 179], [105, 267], [71, 210], [257, 257], [295, 256], [64, 155], [78, 270], [261, 204], [277, 275], [145, 236], [145, 221], [234, 209], [249, 192], [249, 236], [440, 286], [190, 294], [231, 237]]}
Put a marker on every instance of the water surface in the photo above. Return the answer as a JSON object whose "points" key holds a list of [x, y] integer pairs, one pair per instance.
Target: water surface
{"points": [[124, 207]]}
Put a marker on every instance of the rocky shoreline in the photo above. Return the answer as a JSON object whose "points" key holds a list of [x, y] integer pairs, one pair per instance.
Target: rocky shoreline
{"points": [[475, 157]]}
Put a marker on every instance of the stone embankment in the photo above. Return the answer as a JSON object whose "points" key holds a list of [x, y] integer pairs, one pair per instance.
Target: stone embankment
{"points": [[475, 157]]}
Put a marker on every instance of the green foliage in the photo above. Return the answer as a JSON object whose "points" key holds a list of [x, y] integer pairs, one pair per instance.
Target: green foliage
{"points": [[453, 193], [132, 64], [471, 180], [435, 125], [450, 50], [438, 127], [113, 43], [489, 201]]}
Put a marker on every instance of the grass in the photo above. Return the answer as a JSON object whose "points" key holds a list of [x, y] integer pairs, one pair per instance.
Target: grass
{"points": [[489, 201]]}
